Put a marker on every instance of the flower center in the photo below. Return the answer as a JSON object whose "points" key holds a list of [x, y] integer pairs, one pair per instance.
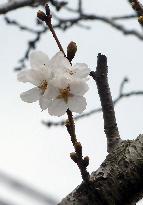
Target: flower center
{"points": [[43, 86], [70, 72], [65, 93]]}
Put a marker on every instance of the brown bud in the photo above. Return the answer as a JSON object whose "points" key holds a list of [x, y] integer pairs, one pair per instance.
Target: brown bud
{"points": [[78, 148], [41, 15], [74, 157], [86, 161], [71, 50], [140, 20]]}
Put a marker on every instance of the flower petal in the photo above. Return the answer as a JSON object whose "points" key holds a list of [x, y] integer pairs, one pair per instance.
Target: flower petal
{"points": [[51, 92], [38, 60], [31, 76], [81, 70], [44, 102], [77, 104], [31, 95], [59, 62], [58, 107], [78, 87], [60, 82]]}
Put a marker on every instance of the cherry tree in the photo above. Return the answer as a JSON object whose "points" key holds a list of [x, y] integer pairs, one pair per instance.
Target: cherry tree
{"points": [[60, 86]]}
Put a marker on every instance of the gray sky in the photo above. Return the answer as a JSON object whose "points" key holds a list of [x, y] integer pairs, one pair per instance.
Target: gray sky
{"points": [[38, 155]]}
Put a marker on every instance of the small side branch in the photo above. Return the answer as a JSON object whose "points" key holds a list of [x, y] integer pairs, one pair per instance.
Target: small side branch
{"points": [[76, 156], [120, 96], [110, 125]]}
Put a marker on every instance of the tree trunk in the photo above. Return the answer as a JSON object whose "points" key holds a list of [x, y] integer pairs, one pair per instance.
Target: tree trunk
{"points": [[118, 181]]}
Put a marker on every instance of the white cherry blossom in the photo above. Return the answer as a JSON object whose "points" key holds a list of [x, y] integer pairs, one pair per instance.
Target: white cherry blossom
{"points": [[63, 66], [66, 93], [39, 75], [57, 84]]}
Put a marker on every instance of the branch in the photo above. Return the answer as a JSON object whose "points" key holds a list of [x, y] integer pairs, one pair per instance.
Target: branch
{"points": [[67, 23], [64, 24], [117, 181], [58, 5], [31, 45], [20, 26], [120, 96], [123, 17], [26, 189], [16, 4], [76, 156], [110, 125]]}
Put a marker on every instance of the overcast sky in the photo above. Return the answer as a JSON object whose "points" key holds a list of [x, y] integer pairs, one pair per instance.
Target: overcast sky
{"points": [[39, 155]]}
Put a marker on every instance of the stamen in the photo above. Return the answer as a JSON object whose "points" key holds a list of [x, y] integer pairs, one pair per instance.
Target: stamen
{"points": [[70, 72], [43, 86], [65, 94]]}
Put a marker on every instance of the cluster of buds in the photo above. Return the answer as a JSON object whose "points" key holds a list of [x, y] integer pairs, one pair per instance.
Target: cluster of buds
{"points": [[44, 16], [81, 162]]}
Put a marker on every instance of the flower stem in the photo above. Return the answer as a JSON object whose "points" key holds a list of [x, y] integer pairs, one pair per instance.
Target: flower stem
{"points": [[71, 127], [49, 24], [76, 156], [55, 36]]}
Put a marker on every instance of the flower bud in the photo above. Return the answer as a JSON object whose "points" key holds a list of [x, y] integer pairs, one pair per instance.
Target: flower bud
{"points": [[86, 161], [140, 20], [74, 157], [41, 15], [71, 50]]}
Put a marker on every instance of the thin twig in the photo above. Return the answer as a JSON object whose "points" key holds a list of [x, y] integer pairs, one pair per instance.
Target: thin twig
{"points": [[71, 127], [13, 5], [91, 17], [58, 5], [76, 156], [16, 4], [80, 7], [120, 96], [67, 23], [123, 17], [19, 186], [49, 24], [20, 26]]}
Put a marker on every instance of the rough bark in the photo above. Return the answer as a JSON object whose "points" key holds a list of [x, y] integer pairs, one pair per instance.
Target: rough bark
{"points": [[118, 181]]}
